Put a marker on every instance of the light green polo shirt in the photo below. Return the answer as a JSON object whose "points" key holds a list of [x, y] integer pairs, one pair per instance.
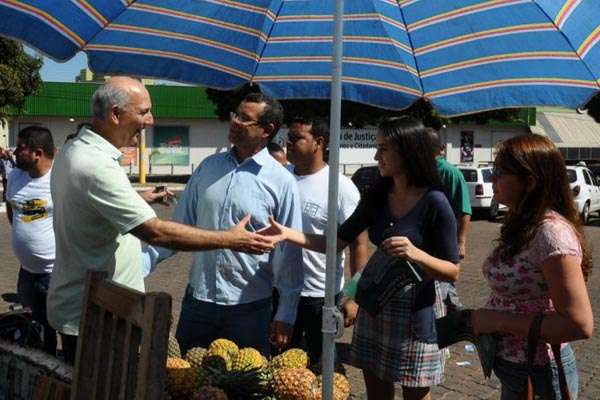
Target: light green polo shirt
{"points": [[94, 209]]}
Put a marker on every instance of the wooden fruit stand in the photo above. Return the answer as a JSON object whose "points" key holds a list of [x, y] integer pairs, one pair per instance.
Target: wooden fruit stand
{"points": [[121, 351], [27, 374]]}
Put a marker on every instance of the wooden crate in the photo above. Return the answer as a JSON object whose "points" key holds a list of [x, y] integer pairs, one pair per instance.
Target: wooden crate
{"points": [[27, 374]]}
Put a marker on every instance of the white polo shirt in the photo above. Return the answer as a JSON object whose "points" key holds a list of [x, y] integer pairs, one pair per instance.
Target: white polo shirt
{"points": [[95, 207]]}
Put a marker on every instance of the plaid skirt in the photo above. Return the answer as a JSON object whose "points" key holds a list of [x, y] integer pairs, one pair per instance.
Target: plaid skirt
{"points": [[385, 346]]}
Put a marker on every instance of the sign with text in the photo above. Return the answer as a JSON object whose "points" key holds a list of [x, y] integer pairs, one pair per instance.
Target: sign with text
{"points": [[357, 146], [171, 145]]}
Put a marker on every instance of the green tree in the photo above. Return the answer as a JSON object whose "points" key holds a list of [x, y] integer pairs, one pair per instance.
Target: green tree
{"points": [[19, 75], [354, 114]]}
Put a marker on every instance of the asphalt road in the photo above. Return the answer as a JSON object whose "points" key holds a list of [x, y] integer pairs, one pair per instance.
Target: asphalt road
{"points": [[463, 379]]}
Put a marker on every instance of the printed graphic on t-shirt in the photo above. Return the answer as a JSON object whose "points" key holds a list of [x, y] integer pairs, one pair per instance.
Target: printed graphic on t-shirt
{"points": [[310, 209], [31, 210]]}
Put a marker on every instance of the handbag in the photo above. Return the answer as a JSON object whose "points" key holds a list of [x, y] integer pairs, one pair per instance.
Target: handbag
{"points": [[533, 339], [382, 278]]}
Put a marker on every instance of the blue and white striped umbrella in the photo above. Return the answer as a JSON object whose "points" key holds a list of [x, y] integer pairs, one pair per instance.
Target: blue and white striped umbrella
{"points": [[462, 55]]}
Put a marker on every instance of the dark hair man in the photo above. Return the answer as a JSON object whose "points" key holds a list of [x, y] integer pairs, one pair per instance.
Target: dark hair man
{"points": [[29, 209], [229, 294], [455, 187], [308, 140], [278, 153], [99, 217]]}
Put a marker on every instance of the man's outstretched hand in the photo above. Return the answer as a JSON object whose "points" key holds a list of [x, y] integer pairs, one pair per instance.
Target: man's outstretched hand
{"points": [[240, 239], [275, 232]]}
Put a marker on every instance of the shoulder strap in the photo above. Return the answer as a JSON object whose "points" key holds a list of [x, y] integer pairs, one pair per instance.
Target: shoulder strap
{"points": [[532, 343]]}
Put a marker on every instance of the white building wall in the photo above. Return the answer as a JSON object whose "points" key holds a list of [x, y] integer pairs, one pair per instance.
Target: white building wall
{"points": [[206, 137]]}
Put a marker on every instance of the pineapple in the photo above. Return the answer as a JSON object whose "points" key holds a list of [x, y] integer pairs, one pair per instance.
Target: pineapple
{"points": [[195, 356], [341, 387], [224, 344], [217, 358], [294, 384], [209, 393], [248, 359], [292, 358], [173, 349], [181, 379]]}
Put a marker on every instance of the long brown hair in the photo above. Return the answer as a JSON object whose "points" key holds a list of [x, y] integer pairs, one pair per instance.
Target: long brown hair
{"points": [[541, 167]]}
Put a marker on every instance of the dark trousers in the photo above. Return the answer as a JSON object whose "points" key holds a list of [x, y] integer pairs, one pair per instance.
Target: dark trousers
{"points": [[201, 322], [308, 326], [69, 347], [33, 291]]}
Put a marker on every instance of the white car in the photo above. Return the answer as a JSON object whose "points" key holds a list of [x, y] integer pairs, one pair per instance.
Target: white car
{"points": [[479, 182], [585, 190]]}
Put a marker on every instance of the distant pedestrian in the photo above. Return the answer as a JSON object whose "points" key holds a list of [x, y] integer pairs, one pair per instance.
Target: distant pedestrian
{"points": [[457, 192], [537, 272], [30, 211], [7, 164], [278, 153]]}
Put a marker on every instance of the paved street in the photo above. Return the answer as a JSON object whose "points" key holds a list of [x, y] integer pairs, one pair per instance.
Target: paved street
{"points": [[464, 379]]}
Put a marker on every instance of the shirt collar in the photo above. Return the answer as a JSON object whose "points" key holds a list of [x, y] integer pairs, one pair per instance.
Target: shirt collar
{"points": [[260, 158], [90, 137]]}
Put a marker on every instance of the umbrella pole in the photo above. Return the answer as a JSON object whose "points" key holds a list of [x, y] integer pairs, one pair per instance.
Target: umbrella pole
{"points": [[332, 321]]}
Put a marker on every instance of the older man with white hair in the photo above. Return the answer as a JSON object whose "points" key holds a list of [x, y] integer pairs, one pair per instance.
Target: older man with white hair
{"points": [[99, 218]]}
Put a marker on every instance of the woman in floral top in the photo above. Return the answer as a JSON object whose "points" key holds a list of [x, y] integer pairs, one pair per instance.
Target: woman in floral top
{"points": [[540, 265]]}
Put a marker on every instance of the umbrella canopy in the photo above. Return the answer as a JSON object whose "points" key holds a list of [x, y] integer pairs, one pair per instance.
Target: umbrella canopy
{"points": [[462, 55]]}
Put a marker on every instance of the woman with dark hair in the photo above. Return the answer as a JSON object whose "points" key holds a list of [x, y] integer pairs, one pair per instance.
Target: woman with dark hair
{"points": [[408, 217], [537, 271]]}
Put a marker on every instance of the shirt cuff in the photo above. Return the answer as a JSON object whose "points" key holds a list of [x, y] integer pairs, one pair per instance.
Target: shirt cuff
{"points": [[151, 256], [288, 307], [149, 260]]}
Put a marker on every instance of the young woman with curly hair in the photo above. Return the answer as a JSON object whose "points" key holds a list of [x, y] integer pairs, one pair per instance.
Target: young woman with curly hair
{"points": [[539, 266]]}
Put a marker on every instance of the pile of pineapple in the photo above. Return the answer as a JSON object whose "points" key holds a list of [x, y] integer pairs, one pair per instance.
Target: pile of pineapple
{"points": [[225, 372]]}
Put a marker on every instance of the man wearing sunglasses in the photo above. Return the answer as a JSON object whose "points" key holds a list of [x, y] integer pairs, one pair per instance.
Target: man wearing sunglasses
{"points": [[229, 293]]}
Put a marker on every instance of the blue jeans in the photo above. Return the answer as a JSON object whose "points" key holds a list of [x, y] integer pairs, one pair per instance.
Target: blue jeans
{"points": [[513, 378], [450, 297], [201, 322], [33, 291]]}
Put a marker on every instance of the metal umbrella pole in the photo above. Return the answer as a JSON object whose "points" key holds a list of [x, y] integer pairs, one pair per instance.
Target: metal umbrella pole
{"points": [[333, 323]]}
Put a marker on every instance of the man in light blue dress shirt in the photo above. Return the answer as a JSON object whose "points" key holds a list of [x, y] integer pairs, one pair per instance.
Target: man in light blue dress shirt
{"points": [[229, 293]]}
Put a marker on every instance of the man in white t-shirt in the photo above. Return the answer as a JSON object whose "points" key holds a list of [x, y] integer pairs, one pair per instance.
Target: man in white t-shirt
{"points": [[29, 210], [306, 150]]}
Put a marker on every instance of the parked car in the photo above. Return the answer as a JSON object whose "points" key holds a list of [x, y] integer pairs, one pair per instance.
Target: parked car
{"points": [[479, 182], [585, 190]]}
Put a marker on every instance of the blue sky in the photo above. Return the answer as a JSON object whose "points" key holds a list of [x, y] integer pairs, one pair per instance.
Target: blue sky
{"points": [[53, 71], [63, 72]]}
